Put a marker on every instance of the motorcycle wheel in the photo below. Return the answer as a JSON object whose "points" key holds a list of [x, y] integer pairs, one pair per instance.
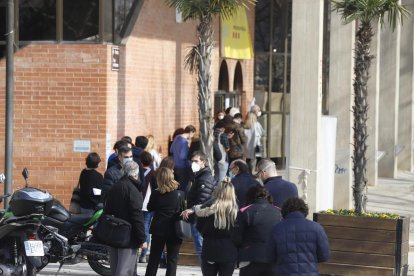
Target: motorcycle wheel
{"points": [[100, 265]]}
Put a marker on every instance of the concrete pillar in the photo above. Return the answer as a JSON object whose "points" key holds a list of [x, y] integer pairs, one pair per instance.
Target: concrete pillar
{"points": [[306, 94], [388, 102], [341, 63], [373, 107], [405, 112]]}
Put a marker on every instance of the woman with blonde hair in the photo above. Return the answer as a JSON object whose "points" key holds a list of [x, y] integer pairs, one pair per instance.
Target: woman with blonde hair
{"points": [[253, 146], [167, 203], [216, 224], [156, 156]]}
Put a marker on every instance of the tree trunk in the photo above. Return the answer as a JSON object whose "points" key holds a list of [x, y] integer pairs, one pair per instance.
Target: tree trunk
{"points": [[360, 110], [205, 46]]}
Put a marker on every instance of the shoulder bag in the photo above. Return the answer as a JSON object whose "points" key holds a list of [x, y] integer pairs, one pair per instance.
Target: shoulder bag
{"points": [[113, 231], [182, 227]]}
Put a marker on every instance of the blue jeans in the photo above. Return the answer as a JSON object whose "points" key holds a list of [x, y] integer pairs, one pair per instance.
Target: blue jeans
{"points": [[147, 222], [198, 240]]}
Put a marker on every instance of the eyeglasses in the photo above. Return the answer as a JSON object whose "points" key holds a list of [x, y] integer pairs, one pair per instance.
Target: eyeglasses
{"points": [[258, 173]]}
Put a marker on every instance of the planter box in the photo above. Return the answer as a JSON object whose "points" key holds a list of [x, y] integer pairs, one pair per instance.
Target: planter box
{"points": [[365, 245]]}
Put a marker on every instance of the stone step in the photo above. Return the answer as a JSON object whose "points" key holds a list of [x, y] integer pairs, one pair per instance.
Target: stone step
{"points": [[187, 254]]}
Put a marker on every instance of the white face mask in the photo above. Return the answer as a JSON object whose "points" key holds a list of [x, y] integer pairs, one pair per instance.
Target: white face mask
{"points": [[220, 117], [259, 114], [126, 160], [195, 167]]}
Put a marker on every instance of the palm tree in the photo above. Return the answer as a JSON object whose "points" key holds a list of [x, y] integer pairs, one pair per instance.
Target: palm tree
{"points": [[198, 59], [366, 13]]}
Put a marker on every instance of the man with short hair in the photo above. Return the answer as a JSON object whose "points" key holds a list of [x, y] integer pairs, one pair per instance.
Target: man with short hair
{"points": [[179, 150], [114, 173], [242, 180], [280, 189], [200, 191]]}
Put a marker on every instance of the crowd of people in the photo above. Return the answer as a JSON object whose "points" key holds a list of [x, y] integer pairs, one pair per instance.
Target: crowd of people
{"points": [[242, 214]]}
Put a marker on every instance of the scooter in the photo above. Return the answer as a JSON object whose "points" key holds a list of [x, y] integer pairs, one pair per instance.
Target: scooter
{"points": [[21, 249], [69, 238]]}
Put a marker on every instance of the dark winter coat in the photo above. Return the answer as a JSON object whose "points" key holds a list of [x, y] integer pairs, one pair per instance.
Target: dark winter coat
{"points": [[218, 245], [280, 189], [124, 201], [167, 208], [88, 180], [202, 188], [111, 176], [253, 228], [298, 245], [242, 183]]}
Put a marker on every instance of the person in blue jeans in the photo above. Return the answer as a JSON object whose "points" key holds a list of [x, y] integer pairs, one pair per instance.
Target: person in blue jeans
{"points": [[200, 191], [147, 189]]}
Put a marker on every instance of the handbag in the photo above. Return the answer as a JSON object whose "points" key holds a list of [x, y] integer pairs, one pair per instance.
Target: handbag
{"points": [[74, 206], [113, 231], [182, 227]]}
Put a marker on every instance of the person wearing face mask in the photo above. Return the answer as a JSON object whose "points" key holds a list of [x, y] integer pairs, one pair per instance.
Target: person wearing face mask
{"points": [[242, 180], [238, 140], [125, 202], [114, 173], [280, 189], [200, 191], [254, 132]]}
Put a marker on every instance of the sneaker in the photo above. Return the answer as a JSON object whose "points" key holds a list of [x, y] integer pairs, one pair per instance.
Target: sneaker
{"points": [[142, 260]]}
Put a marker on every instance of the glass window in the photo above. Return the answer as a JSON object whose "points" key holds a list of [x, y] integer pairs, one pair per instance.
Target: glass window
{"points": [[108, 26], [80, 20], [2, 51], [262, 26], [3, 6], [121, 10], [37, 20], [261, 71]]}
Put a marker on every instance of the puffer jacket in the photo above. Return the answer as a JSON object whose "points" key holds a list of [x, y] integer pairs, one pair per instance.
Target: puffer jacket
{"points": [[253, 228], [298, 245], [202, 188]]}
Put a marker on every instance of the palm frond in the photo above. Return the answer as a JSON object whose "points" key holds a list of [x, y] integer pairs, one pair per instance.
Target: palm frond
{"points": [[192, 59], [370, 11]]}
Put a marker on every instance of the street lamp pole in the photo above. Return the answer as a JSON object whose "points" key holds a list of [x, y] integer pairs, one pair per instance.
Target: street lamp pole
{"points": [[9, 99]]}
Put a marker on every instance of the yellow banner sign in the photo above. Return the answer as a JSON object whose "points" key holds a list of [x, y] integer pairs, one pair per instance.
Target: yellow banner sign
{"points": [[235, 36]]}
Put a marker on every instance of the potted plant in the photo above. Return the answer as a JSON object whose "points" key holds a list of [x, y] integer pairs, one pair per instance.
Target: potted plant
{"points": [[365, 243]]}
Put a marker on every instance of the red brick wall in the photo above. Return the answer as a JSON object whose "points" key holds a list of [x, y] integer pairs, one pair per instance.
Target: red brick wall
{"points": [[66, 92], [59, 96]]}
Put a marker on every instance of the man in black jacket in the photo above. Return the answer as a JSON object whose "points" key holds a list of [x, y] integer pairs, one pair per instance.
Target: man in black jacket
{"points": [[200, 191], [114, 173], [242, 180], [125, 202]]}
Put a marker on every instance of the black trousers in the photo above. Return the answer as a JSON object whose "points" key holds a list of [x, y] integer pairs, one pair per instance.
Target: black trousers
{"points": [[157, 245], [220, 269], [258, 269]]}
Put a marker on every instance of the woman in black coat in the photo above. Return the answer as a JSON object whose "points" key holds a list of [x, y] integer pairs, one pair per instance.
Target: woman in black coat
{"points": [[216, 224], [253, 228], [167, 203]]}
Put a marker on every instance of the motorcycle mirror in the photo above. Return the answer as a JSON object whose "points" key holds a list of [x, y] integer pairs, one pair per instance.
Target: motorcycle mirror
{"points": [[25, 173]]}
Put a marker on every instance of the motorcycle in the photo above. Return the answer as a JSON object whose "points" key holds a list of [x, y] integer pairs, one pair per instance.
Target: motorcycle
{"points": [[69, 240], [21, 249]]}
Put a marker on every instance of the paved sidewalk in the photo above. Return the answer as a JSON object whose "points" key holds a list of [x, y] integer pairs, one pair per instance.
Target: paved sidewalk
{"points": [[83, 269]]}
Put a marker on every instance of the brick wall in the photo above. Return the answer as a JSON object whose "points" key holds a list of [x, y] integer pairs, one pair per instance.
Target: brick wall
{"points": [[66, 92]]}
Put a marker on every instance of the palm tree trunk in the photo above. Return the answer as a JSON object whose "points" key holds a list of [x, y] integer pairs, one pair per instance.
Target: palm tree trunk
{"points": [[205, 46], [360, 110]]}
